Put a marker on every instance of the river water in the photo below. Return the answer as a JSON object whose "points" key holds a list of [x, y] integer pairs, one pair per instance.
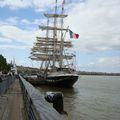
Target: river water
{"points": [[91, 98]]}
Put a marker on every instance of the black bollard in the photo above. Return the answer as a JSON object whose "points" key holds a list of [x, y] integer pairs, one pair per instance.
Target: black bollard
{"points": [[57, 99], [0, 79]]}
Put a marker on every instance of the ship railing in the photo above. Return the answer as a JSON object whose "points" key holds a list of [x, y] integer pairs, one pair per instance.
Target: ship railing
{"points": [[35, 105]]}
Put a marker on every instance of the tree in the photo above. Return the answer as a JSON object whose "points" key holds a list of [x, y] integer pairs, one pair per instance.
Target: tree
{"points": [[4, 66]]}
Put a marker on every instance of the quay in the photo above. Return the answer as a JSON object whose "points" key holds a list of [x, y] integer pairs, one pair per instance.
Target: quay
{"points": [[11, 103], [22, 101]]}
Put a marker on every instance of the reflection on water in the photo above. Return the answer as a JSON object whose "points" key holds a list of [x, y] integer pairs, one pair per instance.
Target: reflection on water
{"points": [[91, 98]]}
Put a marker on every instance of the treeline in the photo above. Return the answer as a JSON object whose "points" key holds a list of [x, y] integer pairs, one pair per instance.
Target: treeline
{"points": [[4, 66], [97, 73]]}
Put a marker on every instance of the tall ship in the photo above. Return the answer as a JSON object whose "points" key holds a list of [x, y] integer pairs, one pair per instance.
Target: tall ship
{"points": [[53, 51]]}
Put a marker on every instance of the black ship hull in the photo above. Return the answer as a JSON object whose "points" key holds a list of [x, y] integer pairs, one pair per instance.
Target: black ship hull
{"points": [[61, 81]]}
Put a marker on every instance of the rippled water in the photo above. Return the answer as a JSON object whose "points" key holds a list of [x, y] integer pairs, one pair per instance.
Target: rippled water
{"points": [[91, 98]]}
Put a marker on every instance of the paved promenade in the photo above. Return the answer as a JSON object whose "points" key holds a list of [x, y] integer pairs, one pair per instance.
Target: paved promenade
{"points": [[11, 103]]}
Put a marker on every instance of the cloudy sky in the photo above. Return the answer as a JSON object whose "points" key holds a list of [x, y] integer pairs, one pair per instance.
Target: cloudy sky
{"points": [[97, 22]]}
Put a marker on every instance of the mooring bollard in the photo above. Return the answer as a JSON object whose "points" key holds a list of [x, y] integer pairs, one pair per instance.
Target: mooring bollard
{"points": [[57, 99], [0, 79]]}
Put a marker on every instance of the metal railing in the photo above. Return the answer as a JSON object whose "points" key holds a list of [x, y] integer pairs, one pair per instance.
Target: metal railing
{"points": [[35, 105], [5, 82]]}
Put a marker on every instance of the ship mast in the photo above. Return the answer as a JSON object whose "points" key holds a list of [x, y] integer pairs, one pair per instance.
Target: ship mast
{"points": [[54, 36], [46, 49], [49, 49], [62, 39]]}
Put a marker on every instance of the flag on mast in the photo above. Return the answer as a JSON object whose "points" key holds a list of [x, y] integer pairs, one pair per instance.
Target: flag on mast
{"points": [[73, 35]]}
